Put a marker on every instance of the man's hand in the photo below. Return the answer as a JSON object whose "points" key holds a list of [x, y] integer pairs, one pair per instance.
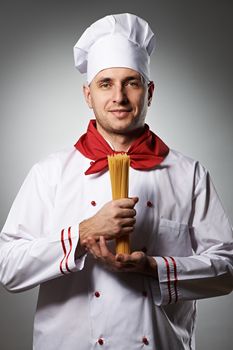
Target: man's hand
{"points": [[114, 219], [136, 262]]}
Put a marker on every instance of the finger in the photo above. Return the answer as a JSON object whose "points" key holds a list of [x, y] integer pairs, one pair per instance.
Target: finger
{"points": [[103, 246], [135, 257], [95, 250], [127, 202], [107, 257], [122, 257], [127, 258], [135, 199], [127, 213], [104, 251], [93, 247], [126, 231], [127, 222]]}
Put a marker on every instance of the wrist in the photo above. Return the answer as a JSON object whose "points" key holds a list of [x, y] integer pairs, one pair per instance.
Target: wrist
{"points": [[85, 231], [151, 267], [80, 251], [83, 234]]}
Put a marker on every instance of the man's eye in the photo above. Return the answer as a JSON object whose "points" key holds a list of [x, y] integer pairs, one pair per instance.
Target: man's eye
{"points": [[133, 83], [105, 85]]}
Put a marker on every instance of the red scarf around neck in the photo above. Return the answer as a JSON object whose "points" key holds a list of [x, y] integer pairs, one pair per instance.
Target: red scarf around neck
{"points": [[146, 152]]}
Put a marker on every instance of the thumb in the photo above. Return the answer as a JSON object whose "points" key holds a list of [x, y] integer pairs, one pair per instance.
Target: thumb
{"points": [[135, 199]]}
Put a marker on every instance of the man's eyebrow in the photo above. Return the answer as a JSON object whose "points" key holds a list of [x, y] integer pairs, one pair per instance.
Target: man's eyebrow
{"points": [[103, 79], [131, 77]]}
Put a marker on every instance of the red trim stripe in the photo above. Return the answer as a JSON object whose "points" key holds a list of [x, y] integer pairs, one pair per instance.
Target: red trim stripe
{"points": [[175, 277], [64, 250], [168, 279], [70, 242]]}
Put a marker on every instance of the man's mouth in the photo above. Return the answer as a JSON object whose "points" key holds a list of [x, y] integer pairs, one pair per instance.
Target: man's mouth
{"points": [[120, 112]]}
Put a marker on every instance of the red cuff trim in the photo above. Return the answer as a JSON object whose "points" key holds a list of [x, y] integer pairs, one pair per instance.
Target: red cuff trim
{"points": [[168, 280], [70, 242], [175, 278], [66, 256], [172, 279], [64, 250]]}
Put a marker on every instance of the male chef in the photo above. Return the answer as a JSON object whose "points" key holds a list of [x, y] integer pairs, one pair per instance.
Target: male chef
{"points": [[61, 229]]}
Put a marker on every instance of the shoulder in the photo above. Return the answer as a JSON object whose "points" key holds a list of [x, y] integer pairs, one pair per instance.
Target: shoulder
{"points": [[184, 165], [52, 167]]}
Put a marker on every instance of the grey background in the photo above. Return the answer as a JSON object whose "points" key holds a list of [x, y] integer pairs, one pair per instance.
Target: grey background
{"points": [[42, 110]]}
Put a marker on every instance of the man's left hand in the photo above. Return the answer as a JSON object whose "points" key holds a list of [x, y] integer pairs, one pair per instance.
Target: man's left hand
{"points": [[137, 261]]}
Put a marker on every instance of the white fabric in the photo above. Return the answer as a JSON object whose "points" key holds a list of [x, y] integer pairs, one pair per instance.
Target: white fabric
{"points": [[180, 221], [122, 40]]}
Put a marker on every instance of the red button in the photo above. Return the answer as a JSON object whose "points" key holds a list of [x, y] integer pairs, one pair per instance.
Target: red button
{"points": [[101, 341], [93, 203], [145, 341], [149, 204], [97, 294]]}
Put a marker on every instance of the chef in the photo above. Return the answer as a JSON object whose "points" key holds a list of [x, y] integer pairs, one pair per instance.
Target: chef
{"points": [[61, 229]]}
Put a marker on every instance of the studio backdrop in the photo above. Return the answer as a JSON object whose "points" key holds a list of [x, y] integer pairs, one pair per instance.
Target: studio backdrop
{"points": [[42, 110]]}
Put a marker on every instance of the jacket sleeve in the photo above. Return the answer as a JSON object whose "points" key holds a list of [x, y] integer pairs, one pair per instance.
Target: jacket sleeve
{"points": [[30, 252], [208, 270]]}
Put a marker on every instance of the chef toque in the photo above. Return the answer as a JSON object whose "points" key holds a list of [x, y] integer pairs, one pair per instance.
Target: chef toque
{"points": [[122, 40]]}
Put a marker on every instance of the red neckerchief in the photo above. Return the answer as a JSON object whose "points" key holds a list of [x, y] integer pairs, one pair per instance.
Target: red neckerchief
{"points": [[146, 152]]}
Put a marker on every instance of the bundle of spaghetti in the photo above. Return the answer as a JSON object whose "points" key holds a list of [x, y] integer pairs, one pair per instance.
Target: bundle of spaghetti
{"points": [[119, 174]]}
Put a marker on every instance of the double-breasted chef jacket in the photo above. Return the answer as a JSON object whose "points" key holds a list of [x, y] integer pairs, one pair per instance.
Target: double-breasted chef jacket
{"points": [[82, 305]]}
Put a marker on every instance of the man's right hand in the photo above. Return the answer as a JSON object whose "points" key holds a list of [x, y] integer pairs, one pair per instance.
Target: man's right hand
{"points": [[116, 218]]}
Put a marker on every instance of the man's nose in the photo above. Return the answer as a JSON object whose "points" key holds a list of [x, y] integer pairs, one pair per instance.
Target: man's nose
{"points": [[119, 95]]}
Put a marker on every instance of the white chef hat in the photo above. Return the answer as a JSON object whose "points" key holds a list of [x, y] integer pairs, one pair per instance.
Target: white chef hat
{"points": [[122, 40]]}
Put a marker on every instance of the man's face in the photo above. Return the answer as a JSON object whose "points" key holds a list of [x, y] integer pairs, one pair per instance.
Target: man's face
{"points": [[119, 98]]}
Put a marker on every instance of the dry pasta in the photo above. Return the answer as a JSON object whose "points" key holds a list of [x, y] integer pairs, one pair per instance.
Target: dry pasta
{"points": [[119, 174]]}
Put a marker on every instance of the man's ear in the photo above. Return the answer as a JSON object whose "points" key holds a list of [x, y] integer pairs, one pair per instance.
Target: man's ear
{"points": [[151, 87], [87, 95]]}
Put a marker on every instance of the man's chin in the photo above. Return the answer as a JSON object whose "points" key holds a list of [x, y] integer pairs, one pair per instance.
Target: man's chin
{"points": [[127, 129]]}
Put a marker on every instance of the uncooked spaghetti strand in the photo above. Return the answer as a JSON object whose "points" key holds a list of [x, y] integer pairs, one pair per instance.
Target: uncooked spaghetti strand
{"points": [[119, 175]]}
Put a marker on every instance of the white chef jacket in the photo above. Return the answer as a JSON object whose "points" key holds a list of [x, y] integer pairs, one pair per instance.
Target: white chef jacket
{"points": [[84, 306]]}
